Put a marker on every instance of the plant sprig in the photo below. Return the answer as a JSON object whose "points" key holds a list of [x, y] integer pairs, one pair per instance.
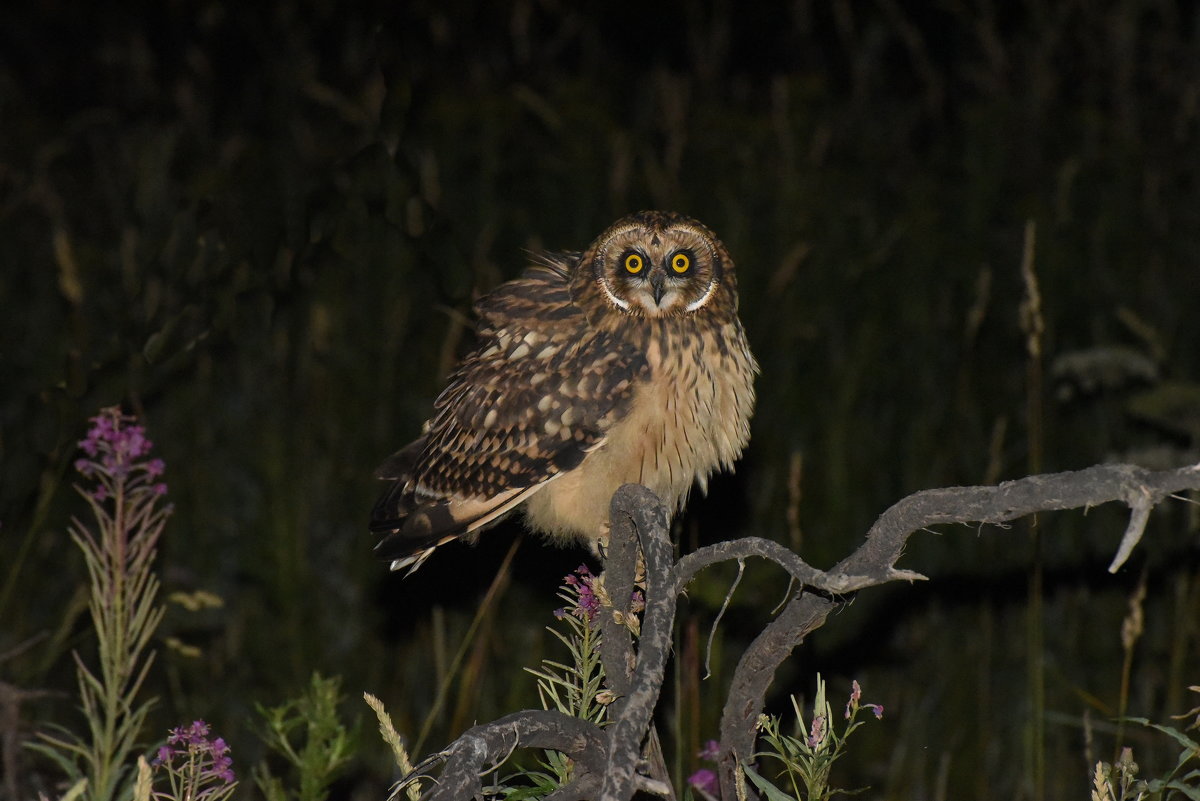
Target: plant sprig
{"points": [[807, 760], [125, 495]]}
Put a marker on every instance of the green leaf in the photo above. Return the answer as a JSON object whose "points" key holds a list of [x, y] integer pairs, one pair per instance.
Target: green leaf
{"points": [[57, 751], [1189, 791], [772, 792], [77, 790], [1173, 733]]}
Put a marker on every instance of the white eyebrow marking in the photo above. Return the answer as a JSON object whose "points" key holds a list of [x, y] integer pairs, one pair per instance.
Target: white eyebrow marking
{"points": [[623, 305], [695, 304]]}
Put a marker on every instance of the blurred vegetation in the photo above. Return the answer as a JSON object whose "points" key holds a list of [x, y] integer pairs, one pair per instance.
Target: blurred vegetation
{"points": [[261, 229]]}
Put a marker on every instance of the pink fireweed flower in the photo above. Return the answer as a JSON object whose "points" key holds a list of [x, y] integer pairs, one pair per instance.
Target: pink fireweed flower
{"points": [[705, 781], [119, 543], [855, 697], [189, 751], [855, 703], [637, 602], [115, 451], [710, 751], [586, 605], [816, 734]]}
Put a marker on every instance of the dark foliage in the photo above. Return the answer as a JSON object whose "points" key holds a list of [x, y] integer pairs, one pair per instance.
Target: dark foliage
{"points": [[261, 227]]}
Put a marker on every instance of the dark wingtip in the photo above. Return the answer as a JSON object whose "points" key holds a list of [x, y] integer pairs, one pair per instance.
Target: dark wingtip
{"points": [[390, 510], [400, 464], [394, 546], [422, 529]]}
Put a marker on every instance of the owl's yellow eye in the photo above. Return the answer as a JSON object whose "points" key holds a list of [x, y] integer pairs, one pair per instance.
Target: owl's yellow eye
{"points": [[681, 263], [634, 263]]}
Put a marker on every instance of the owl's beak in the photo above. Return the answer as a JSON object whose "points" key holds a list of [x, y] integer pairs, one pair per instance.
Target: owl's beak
{"points": [[658, 285]]}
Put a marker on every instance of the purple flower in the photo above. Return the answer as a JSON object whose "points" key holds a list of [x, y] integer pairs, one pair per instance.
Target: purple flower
{"points": [[637, 602], [134, 444], [816, 734], [587, 605], [115, 455], [195, 734], [222, 763], [90, 445], [165, 752], [710, 751], [574, 577], [855, 696], [209, 759], [854, 704], [705, 781]]}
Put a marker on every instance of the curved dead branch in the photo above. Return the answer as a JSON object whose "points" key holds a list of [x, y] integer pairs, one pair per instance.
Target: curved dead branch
{"points": [[875, 560], [481, 748], [608, 758]]}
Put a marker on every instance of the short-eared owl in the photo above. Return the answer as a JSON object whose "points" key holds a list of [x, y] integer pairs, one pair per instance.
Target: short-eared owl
{"points": [[624, 363]]}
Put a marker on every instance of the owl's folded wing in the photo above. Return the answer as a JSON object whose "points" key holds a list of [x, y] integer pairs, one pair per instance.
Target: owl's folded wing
{"points": [[527, 406]]}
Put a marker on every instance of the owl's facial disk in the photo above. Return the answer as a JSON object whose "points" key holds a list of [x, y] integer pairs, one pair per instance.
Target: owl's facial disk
{"points": [[659, 273]]}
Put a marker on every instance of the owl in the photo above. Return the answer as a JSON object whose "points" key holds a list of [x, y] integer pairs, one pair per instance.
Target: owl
{"points": [[624, 363]]}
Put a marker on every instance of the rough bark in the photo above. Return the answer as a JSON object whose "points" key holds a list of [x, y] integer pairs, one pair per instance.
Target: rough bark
{"points": [[608, 758]]}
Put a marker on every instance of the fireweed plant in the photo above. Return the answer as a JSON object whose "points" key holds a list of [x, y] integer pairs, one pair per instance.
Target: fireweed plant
{"points": [[126, 499], [808, 759], [704, 782], [1118, 781], [126, 496], [196, 767], [577, 688]]}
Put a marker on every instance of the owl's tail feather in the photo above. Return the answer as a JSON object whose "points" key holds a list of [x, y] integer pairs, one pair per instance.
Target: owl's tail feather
{"points": [[411, 539], [413, 528], [412, 532]]}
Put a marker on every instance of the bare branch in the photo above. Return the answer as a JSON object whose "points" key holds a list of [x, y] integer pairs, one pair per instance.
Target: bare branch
{"points": [[1008, 501], [1133, 532], [608, 759], [469, 758], [634, 506], [688, 566], [875, 559]]}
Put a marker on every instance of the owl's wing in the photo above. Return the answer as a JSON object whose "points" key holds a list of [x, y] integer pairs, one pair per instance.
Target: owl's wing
{"points": [[538, 394]]}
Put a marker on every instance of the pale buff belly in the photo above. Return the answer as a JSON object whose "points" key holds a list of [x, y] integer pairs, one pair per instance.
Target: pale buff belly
{"points": [[682, 425]]}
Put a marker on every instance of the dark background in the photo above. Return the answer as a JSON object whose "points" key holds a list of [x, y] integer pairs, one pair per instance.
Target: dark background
{"points": [[261, 227]]}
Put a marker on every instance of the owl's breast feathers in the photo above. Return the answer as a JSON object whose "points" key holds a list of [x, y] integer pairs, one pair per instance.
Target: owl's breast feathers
{"points": [[537, 395]]}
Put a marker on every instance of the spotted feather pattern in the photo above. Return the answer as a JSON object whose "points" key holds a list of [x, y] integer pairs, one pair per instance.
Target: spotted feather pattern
{"points": [[527, 404], [585, 376]]}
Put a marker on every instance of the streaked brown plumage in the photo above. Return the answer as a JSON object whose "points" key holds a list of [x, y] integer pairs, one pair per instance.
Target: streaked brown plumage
{"points": [[624, 363]]}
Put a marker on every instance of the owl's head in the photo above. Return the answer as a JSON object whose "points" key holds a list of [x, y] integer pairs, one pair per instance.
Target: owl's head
{"points": [[659, 264]]}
